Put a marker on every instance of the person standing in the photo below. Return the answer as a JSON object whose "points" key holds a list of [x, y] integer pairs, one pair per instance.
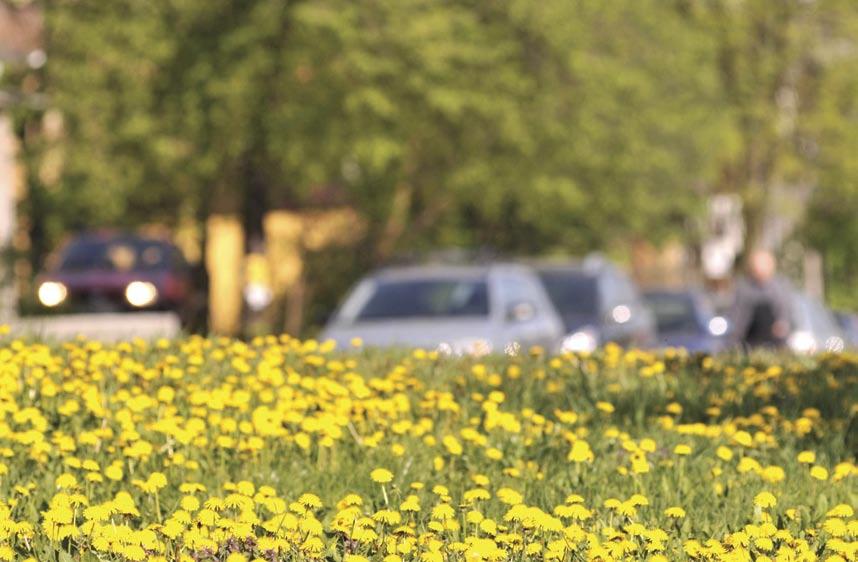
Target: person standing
{"points": [[760, 316]]}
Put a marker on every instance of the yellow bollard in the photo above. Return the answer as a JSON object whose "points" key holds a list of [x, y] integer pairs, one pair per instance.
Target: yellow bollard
{"points": [[225, 266]]}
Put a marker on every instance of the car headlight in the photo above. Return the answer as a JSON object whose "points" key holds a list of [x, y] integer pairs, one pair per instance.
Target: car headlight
{"points": [[141, 293], [476, 347], [802, 342], [512, 349], [257, 296], [584, 340], [718, 326], [479, 347], [52, 293], [835, 344], [621, 314]]}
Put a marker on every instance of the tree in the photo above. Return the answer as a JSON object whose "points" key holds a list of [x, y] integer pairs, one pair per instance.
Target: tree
{"points": [[454, 122], [773, 61], [119, 158], [525, 126], [625, 121], [830, 226]]}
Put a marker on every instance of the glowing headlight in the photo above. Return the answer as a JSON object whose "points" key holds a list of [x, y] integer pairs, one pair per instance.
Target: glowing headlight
{"points": [[141, 293], [802, 342], [512, 349], [621, 314], [582, 340], [835, 344], [473, 347], [257, 296], [52, 293], [718, 326]]}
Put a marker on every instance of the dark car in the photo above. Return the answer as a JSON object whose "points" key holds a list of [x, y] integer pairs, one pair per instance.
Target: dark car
{"points": [[686, 318], [598, 303], [115, 272]]}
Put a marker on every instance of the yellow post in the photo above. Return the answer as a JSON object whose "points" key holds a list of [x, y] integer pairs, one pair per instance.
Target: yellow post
{"points": [[289, 237], [225, 266]]}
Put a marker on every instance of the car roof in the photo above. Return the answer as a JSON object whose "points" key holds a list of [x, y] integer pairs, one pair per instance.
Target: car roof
{"points": [[115, 236], [591, 265], [134, 240], [571, 268], [442, 270], [667, 292]]}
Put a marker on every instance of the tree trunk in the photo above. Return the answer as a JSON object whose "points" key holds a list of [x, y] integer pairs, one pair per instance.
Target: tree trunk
{"points": [[296, 300], [397, 221]]}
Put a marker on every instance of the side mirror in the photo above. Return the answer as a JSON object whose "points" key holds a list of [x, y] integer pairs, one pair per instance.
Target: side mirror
{"points": [[521, 311]]}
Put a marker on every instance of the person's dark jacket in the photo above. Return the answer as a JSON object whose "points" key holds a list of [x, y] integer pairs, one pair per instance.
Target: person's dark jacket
{"points": [[761, 313]]}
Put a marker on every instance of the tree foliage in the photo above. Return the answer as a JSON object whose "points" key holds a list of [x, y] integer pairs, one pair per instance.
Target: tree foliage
{"points": [[519, 124], [514, 111]]}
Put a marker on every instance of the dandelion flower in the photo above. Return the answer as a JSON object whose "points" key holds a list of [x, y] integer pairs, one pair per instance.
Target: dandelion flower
{"points": [[807, 457], [819, 473], [381, 476], [765, 500]]}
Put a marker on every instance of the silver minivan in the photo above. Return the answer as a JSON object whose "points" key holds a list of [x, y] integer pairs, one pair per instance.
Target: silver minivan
{"points": [[814, 327], [458, 309]]}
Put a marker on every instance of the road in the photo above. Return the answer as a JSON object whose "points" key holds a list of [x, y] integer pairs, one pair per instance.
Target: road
{"points": [[108, 327]]}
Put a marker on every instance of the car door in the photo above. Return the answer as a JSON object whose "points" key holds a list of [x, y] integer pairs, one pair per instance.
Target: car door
{"points": [[526, 315], [626, 320], [641, 325], [825, 327]]}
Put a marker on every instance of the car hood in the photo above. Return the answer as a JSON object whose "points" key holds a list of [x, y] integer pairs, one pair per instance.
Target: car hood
{"points": [[574, 322], [692, 341], [412, 333]]}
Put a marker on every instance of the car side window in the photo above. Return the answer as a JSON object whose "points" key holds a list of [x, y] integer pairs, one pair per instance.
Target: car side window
{"points": [[611, 292], [623, 298], [627, 290], [515, 290]]}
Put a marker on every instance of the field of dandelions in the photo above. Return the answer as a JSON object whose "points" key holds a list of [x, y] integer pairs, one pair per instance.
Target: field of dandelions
{"points": [[279, 449]]}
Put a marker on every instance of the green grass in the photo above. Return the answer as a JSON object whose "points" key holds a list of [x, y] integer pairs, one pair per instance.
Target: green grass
{"points": [[371, 404]]}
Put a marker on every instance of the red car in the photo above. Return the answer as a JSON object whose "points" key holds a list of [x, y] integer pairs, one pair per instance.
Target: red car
{"points": [[115, 272]]}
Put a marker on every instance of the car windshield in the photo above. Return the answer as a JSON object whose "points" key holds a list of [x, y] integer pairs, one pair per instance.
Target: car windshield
{"points": [[673, 313], [573, 293], [115, 255], [427, 298]]}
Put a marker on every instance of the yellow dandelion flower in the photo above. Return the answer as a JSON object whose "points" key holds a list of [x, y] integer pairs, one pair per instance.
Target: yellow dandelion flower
{"points": [[724, 453], [682, 450], [819, 473], [765, 500], [807, 457], [381, 476]]}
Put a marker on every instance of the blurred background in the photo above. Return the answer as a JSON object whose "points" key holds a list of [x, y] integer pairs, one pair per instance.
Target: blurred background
{"points": [[242, 163]]}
